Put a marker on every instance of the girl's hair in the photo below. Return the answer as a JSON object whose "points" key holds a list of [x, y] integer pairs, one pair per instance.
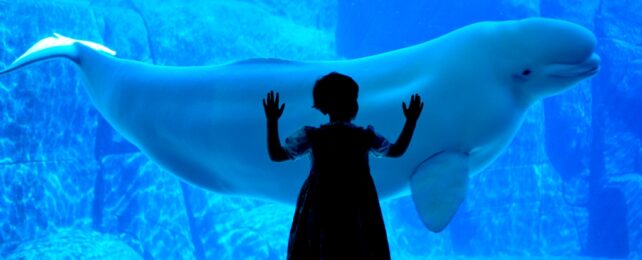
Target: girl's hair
{"points": [[336, 94]]}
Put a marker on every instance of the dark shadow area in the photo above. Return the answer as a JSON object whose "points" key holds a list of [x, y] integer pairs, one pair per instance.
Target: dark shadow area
{"points": [[608, 231]]}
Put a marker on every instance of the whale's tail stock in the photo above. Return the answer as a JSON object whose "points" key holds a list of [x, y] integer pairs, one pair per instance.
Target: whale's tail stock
{"points": [[56, 46]]}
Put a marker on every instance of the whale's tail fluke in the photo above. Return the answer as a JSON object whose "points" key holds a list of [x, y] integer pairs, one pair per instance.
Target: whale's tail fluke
{"points": [[53, 47]]}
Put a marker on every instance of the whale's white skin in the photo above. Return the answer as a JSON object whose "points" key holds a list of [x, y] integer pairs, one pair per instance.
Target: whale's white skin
{"points": [[207, 125]]}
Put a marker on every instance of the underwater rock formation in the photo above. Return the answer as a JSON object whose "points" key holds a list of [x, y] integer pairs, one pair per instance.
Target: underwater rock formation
{"points": [[75, 244]]}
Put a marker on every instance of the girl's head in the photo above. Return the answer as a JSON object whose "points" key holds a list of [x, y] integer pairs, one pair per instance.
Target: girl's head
{"points": [[336, 94]]}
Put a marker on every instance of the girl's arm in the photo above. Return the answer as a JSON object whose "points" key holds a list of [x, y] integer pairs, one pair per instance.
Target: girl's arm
{"points": [[412, 113], [273, 113]]}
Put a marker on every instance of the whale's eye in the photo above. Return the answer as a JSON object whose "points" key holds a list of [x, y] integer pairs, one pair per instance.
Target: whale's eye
{"points": [[526, 72]]}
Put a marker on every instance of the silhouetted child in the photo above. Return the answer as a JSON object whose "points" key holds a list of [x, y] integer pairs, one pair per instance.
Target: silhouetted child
{"points": [[337, 213]]}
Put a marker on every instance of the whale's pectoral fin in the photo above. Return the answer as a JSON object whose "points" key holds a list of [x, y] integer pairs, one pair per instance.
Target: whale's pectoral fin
{"points": [[439, 187]]}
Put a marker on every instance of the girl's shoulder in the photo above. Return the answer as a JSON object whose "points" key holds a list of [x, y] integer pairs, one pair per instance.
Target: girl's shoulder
{"points": [[305, 130], [304, 134], [348, 125], [341, 124]]}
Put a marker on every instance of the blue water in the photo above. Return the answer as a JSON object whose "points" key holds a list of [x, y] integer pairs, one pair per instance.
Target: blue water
{"points": [[568, 186]]}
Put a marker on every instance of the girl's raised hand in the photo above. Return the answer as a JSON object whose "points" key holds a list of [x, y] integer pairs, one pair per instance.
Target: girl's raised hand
{"points": [[413, 111], [271, 106]]}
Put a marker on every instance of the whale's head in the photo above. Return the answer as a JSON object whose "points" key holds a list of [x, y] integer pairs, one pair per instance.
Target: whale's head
{"points": [[543, 57]]}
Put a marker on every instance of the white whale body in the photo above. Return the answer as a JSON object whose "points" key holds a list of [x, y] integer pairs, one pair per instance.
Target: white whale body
{"points": [[207, 126]]}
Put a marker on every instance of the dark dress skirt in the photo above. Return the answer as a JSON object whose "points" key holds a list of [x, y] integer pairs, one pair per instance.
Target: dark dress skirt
{"points": [[337, 213]]}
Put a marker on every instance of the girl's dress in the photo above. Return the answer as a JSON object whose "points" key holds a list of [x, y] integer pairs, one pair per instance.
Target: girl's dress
{"points": [[337, 213]]}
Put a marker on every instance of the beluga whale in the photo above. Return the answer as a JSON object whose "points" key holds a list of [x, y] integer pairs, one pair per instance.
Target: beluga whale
{"points": [[206, 125]]}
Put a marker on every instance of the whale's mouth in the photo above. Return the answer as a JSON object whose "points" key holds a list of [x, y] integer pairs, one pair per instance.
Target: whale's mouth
{"points": [[587, 68], [591, 71]]}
